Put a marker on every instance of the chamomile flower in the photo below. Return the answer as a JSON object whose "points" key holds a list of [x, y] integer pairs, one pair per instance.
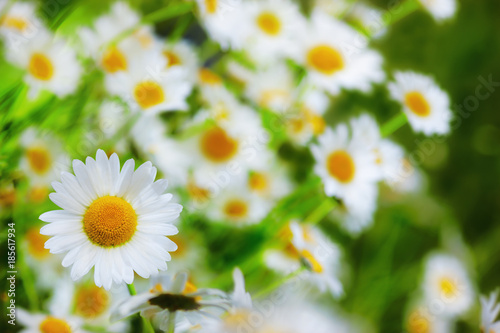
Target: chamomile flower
{"points": [[270, 182], [43, 323], [50, 64], [336, 56], [425, 104], [446, 281], [182, 54], [149, 86], [115, 221], [19, 24], [173, 299], [489, 313], [420, 319], [344, 163], [440, 9], [272, 28]]}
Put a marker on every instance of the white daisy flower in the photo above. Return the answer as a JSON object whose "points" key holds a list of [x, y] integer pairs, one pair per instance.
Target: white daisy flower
{"points": [[50, 64], [176, 296], [115, 221], [149, 86], [420, 319], [447, 284], [43, 323], [182, 54], [425, 104], [489, 313], [272, 29], [112, 117], [344, 163], [270, 182], [336, 56], [334, 8], [440, 9], [19, 24]]}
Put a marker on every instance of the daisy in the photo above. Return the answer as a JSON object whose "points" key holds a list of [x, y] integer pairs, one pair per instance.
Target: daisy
{"points": [[447, 282], [43, 323], [336, 56], [19, 24], [49, 63], [271, 183], [173, 299], [115, 221], [425, 104], [345, 164], [150, 86], [182, 54], [421, 320], [489, 313], [440, 9]]}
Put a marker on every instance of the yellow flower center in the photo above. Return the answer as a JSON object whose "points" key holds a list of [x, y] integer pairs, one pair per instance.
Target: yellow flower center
{"points": [[144, 38], [448, 287], [317, 122], [39, 159], [269, 23], [13, 22], [110, 221], [172, 58], [41, 67], [114, 60], [418, 323], [36, 243], [189, 288], [341, 166], [91, 301], [54, 325], [208, 77], [258, 182], [236, 209], [325, 59], [211, 6], [198, 193], [38, 194], [148, 94], [417, 103], [315, 265], [217, 145]]}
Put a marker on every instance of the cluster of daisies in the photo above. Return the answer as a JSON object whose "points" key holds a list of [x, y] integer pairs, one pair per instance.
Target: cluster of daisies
{"points": [[213, 126]]}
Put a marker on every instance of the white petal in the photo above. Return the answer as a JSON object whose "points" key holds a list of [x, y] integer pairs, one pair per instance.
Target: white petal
{"points": [[125, 177], [60, 228], [67, 203], [83, 178], [60, 216]]}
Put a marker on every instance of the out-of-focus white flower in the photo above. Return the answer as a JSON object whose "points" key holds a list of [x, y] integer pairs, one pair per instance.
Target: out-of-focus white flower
{"points": [[447, 283], [421, 320], [440, 9], [41, 323], [336, 56], [335, 8], [19, 24], [115, 221], [425, 104], [112, 117], [489, 313], [50, 64], [182, 54]]}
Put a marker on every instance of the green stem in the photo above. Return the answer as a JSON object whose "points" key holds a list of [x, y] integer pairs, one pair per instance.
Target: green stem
{"points": [[321, 211], [171, 322], [146, 324], [131, 289], [401, 11], [272, 287], [394, 124]]}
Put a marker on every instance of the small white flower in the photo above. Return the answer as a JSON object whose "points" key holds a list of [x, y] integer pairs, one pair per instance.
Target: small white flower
{"points": [[19, 25], [425, 104], [115, 221], [440, 9], [489, 313], [421, 319], [42, 323], [182, 54]]}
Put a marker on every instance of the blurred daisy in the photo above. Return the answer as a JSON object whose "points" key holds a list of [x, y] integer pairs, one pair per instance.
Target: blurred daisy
{"points": [[489, 313], [270, 183], [336, 56], [182, 54], [420, 320], [440, 9], [149, 86], [50, 64], [19, 24], [173, 299], [447, 282], [425, 104], [334, 8], [112, 117], [344, 163], [43, 323], [115, 221]]}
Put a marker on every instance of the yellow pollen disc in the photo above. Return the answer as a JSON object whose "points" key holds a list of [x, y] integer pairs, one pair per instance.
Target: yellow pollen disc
{"points": [[110, 221], [7, 197], [39, 159], [448, 287], [157, 288], [418, 323], [315, 265], [189, 288], [38, 194], [13, 22], [41, 67], [325, 59], [211, 6], [291, 251], [148, 94], [316, 121], [144, 38], [296, 125], [173, 59], [258, 182], [217, 145], [36, 243], [269, 23], [208, 77], [54, 325], [113, 60], [197, 193], [236, 209], [341, 166], [91, 301], [417, 103], [271, 95]]}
